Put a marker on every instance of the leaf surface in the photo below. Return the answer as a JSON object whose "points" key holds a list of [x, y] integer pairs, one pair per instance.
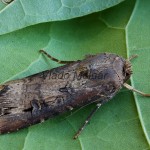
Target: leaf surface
{"points": [[23, 13], [121, 123], [138, 42]]}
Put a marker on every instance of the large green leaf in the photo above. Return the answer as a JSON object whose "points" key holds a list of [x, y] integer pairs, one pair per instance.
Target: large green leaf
{"points": [[119, 124], [22, 13], [138, 42]]}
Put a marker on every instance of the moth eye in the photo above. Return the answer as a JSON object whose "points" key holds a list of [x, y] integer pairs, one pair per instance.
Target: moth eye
{"points": [[127, 70], [124, 71]]}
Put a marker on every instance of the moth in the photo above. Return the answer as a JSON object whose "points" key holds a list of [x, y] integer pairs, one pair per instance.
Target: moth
{"points": [[95, 79]]}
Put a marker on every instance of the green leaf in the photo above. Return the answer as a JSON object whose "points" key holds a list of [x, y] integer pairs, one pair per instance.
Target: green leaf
{"points": [[19, 49], [23, 13], [2, 5], [138, 42], [119, 124]]}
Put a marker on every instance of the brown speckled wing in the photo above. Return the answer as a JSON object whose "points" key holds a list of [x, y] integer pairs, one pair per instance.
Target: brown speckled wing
{"points": [[44, 95]]}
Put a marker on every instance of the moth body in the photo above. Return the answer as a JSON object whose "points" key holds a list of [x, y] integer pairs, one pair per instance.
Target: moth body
{"points": [[44, 95]]}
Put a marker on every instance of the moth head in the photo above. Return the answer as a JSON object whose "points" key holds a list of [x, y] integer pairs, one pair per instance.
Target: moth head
{"points": [[127, 71]]}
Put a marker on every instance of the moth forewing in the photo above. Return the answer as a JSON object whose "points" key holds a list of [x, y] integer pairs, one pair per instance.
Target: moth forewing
{"points": [[44, 95]]}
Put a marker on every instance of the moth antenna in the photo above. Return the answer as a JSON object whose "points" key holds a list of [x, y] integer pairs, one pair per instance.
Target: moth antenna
{"points": [[87, 120], [135, 90], [132, 57]]}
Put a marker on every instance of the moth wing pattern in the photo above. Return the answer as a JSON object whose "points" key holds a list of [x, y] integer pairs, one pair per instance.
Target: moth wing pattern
{"points": [[44, 95]]}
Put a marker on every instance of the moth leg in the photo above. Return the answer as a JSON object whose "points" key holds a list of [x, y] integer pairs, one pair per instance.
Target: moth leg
{"points": [[55, 59], [87, 120], [134, 90]]}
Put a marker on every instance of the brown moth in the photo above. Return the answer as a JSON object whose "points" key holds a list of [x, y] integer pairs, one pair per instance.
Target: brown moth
{"points": [[33, 99]]}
